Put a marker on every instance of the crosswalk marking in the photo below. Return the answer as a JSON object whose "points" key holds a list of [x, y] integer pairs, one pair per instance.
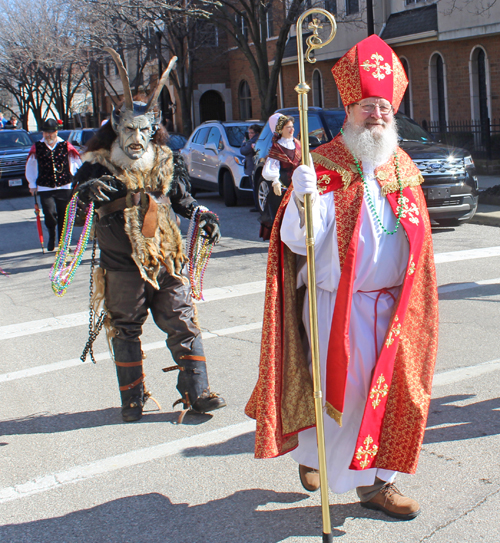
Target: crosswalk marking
{"points": [[38, 370], [79, 319], [121, 461]]}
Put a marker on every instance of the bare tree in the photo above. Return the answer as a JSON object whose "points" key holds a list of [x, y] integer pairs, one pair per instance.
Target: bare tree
{"points": [[40, 59]]}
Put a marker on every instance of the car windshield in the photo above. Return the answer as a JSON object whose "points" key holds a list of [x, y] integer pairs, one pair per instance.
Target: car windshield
{"points": [[236, 134], [10, 140], [409, 130], [334, 121]]}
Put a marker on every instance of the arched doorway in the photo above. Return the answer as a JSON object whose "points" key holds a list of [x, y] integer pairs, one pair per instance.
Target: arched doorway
{"points": [[212, 107]]}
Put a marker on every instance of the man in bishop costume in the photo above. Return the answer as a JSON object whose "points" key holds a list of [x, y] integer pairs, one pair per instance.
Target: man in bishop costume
{"points": [[376, 296]]}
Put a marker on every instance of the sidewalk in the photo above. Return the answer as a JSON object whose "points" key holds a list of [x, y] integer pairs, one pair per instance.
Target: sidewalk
{"points": [[486, 214]]}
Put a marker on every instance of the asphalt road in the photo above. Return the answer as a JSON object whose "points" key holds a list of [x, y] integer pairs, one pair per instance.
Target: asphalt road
{"points": [[71, 471]]}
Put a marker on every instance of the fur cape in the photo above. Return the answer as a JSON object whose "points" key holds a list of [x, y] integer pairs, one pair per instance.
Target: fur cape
{"points": [[165, 246]]}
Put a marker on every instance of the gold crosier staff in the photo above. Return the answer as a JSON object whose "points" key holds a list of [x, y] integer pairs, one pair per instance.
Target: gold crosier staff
{"points": [[313, 42]]}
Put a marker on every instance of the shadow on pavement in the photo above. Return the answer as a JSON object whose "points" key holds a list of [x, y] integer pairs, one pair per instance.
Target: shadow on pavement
{"points": [[466, 421], [236, 445], [480, 291], [44, 423], [154, 518]]}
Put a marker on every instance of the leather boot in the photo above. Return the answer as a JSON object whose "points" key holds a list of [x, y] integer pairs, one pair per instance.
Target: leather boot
{"points": [[193, 382], [128, 361], [309, 477], [391, 501]]}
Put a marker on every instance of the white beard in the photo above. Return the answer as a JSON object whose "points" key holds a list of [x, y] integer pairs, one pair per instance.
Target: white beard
{"points": [[119, 158], [374, 146]]}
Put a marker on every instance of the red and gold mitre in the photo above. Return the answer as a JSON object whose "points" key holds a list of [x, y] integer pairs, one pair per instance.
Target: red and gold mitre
{"points": [[370, 68]]}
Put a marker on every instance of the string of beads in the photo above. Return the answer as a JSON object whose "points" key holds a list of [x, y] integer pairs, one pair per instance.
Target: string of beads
{"points": [[62, 274], [199, 252], [370, 201]]}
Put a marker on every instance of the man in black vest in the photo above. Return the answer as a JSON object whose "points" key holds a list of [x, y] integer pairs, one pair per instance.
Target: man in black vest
{"points": [[50, 167]]}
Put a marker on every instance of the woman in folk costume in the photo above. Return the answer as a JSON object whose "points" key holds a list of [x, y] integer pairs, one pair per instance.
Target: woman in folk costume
{"points": [[376, 298], [130, 174], [284, 156]]}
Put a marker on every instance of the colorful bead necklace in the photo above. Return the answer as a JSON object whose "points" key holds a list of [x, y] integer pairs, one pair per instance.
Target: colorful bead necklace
{"points": [[370, 201], [199, 252], [61, 275]]}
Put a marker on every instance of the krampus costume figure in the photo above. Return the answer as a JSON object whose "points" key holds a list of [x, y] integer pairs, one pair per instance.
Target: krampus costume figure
{"points": [[131, 176]]}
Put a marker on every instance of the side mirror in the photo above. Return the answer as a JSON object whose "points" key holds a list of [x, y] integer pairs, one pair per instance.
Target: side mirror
{"points": [[211, 147], [314, 141]]}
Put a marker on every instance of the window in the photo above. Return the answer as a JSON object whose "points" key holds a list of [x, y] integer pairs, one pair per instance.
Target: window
{"points": [[351, 6], [215, 137], [245, 99], [106, 69], [201, 136], [242, 23], [269, 22], [405, 106], [317, 83], [331, 6], [408, 2], [208, 33], [479, 85], [438, 91]]}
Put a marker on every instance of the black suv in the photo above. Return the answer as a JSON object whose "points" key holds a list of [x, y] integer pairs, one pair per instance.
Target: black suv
{"points": [[15, 146], [450, 184]]}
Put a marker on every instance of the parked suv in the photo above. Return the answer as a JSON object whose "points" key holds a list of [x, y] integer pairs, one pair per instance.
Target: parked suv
{"points": [[14, 149], [212, 155], [450, 184]]}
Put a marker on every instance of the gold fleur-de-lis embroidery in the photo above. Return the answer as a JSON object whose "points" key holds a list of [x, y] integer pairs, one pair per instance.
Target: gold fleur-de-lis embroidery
{"points": [[325, 178], [411, 266], [378, 67], [366, 454], [379, 391], [410, 210], [382, 176], [394, 333]]}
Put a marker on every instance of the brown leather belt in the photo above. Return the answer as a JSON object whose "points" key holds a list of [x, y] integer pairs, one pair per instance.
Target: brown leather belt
{"points": [[150, 221]]}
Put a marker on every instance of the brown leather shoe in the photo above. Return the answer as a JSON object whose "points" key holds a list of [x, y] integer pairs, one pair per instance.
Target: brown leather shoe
{"points": [[309, 477], [391, 502]]}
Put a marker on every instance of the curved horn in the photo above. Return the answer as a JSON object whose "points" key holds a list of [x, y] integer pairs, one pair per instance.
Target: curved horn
{"points": [[161, 83], [127, 94]]}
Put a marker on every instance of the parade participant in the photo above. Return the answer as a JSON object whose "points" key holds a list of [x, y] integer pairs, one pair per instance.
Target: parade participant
{"points": [[284, 156], [51, 165], [129, 173], [247, 150], [376, 297]]}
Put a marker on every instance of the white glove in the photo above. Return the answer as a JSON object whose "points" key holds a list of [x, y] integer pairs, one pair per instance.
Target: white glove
{"points": [[277, 187], [304, 182]]}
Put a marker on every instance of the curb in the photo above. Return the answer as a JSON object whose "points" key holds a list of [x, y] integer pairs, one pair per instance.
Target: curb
{"points": [[487, 219]]}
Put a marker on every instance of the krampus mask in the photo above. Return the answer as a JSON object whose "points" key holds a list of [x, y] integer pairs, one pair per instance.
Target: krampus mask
{"points": [[136, 122]]}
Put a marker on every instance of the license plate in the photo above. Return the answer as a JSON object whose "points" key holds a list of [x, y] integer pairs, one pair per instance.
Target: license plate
{"points": [[440, 193], [15, 182]]}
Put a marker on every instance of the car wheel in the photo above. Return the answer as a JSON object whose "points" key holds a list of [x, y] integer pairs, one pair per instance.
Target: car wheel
{"points": [[262, 192], [229, 192]]}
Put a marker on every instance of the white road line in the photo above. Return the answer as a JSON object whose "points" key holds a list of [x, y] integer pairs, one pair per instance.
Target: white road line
{"points": [[21, 374], [469, 254], [79, 319], [461, 374], [121, 461]]}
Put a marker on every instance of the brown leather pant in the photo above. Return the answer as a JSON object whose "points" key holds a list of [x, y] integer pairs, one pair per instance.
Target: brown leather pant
{"points": [[128, 299]]}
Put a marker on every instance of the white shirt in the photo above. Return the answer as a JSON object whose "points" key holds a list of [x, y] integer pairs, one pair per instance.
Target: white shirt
{"points": [[32, 168], [271, 170]]}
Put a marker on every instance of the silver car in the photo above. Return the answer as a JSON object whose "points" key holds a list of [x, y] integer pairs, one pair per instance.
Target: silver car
{"points": [[214, 162]]}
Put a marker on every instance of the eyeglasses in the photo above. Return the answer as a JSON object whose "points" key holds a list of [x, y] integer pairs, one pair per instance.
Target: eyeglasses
{"points": [[370, 108]]}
